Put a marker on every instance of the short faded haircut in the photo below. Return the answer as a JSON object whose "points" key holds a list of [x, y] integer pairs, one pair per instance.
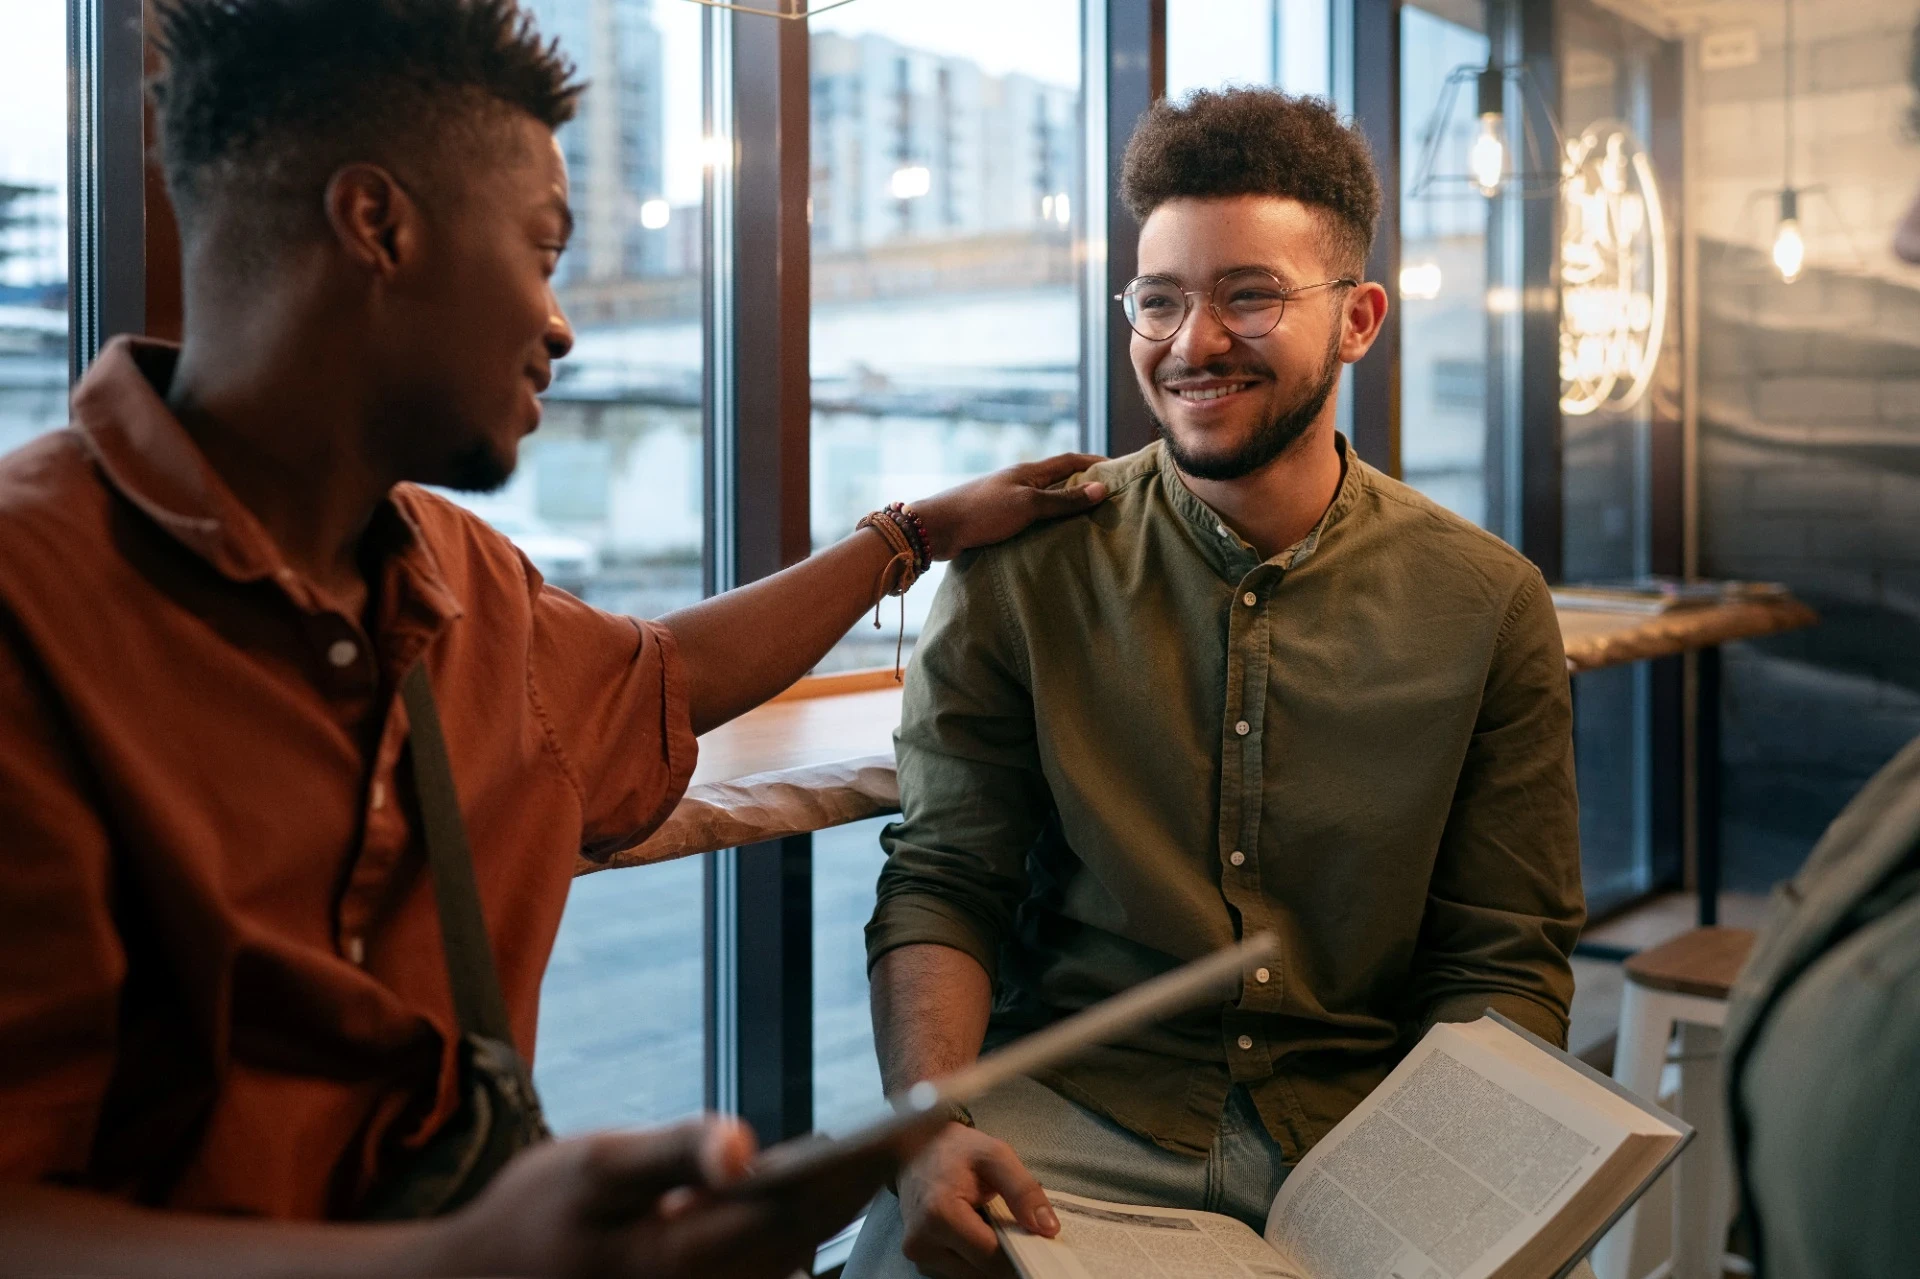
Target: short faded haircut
{"points": [[263, 100], [1230, 142]]}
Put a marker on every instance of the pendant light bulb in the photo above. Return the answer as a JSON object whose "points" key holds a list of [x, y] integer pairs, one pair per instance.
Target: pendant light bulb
{"points": [[1789, 247], [1488, 159]]}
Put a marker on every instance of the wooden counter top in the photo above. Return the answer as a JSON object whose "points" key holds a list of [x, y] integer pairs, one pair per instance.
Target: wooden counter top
{"points": [[822, 754], [1597, 638]]}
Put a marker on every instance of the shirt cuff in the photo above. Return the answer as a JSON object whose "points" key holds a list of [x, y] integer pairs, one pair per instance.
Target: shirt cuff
{"points": [[1473, 1005], [914, 919]]}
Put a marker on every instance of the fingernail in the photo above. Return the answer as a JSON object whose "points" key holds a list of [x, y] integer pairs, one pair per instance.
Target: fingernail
{"points": [[1049, 1223], [1095, 491]]}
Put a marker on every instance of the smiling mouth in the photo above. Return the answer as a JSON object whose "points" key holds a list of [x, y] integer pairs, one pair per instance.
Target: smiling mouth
{"points": [[1202, 394]]}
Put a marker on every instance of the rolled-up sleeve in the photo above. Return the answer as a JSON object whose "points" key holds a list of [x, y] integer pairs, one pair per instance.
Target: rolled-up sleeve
{"points": [[61, 957], [611, 696], [972, 794], [1505, 905]]}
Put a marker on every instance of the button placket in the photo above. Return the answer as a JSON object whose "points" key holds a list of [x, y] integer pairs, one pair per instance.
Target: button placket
{"points": [[1250, 630]]}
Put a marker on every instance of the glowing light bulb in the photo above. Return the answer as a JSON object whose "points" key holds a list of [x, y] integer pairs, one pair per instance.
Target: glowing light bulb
{"points": [[1488, 158], [1789, 248]]}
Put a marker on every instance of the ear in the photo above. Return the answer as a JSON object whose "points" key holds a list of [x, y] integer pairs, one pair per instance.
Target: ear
{"points": [[374, 220], [1365, 311]]}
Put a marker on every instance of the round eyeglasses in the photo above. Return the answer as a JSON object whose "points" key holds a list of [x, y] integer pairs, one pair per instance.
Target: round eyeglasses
{"points": [[1248, 304]]}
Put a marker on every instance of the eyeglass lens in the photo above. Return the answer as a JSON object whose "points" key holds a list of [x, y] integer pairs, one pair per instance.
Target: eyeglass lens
{"points": [[1248, 303]]}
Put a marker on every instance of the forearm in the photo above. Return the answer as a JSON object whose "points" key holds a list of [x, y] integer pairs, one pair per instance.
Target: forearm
{"points": [[930, 1006], [745, 646], [45, 1231]]}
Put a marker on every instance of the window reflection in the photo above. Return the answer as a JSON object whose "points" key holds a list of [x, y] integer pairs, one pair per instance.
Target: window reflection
{"points": [[33, 225], [1443, 294]]}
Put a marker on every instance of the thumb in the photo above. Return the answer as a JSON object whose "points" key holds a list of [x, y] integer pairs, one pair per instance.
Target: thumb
{"points": [[627, 1173], [1052, 503], [1002, 1171], [1052, 470]]}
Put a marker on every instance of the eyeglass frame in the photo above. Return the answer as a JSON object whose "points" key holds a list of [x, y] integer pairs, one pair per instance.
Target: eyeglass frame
{"points": [[1286, 296]]}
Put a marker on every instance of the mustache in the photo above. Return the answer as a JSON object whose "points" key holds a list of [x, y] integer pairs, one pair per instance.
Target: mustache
{"points": [[1218, 369]]}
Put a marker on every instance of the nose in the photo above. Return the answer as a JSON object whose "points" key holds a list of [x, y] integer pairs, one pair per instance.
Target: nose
{"points": [[559, 334], [1201, 337]]}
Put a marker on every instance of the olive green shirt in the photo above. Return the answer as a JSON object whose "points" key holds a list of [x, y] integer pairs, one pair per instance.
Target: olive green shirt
{"points": [[1127, 741]]}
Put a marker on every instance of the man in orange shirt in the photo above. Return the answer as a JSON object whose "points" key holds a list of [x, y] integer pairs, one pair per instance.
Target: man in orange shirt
{"points": [[225, 1011]]}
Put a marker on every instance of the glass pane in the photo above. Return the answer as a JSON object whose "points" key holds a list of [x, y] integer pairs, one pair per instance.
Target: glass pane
{"points": [[1444, 418], [846, 1074], [945, 337], [33, 224], [1607, 110], [622, 1030], [607, 503], [1211, 43]]}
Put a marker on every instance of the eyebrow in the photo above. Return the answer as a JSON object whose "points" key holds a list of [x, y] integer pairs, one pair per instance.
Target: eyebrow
{"points": [[1274, 271]]}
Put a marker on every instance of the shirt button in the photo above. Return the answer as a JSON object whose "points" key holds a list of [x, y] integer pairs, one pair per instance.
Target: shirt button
{"points": [[1237, 857], [1261, 975], [1243, 728], [1249, 599], [1246, 1041], [356, 947], [342, 652], [378, 799]]}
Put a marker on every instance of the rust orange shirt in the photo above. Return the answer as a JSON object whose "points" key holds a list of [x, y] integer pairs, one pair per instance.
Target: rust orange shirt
{"points": [[221, 980]]}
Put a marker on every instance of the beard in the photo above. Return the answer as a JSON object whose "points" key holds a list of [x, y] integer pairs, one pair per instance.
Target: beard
{"points": [[1270, 439], [477, 469]]}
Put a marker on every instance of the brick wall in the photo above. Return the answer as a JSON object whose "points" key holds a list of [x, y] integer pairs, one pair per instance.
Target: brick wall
{"points": [[1810, 421]]}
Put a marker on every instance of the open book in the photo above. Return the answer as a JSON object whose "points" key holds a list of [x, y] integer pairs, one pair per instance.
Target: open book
{"points": [[1486, 1154]]}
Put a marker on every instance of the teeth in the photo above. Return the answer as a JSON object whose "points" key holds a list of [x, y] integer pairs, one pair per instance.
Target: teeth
{"points": [[1212, 393]]}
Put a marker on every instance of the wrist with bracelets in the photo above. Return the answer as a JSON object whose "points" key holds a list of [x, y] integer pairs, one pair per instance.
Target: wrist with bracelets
{"points": [[906, 536]]}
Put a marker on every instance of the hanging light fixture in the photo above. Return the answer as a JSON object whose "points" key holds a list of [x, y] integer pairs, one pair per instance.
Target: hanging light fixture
{"points": [[1789, 247], [790, 10], [1500, 159], [1487, 160]]}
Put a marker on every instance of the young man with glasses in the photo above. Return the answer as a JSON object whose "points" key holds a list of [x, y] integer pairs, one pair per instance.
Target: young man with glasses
{"points": [[1263, 687]]}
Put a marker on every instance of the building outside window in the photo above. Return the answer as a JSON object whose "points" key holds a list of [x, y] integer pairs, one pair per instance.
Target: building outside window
{"points": [[607, 503], [945, 340], [33, 226]]}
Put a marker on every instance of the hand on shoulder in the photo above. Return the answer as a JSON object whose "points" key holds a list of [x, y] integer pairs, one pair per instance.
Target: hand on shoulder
{"points": [[995, 507]]}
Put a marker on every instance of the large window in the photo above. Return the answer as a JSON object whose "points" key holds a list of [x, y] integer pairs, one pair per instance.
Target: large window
{"points": [[33, 225], [945, 336], [608, 503], [1215, 43], [1445, 417]]}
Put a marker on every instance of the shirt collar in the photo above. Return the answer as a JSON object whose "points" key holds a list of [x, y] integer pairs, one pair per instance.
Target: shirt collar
{"points": [[1224, 549], [121, 416]]}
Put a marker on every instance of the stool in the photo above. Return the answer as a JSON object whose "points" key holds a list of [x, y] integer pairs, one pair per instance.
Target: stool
{"points": [[1681, 985]]}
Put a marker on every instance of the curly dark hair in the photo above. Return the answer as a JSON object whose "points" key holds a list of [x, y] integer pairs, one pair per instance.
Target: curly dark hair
{"points": [[1258, 142], [264, 99]]}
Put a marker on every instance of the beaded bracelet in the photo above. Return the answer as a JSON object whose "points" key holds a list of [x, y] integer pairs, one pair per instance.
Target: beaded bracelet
{"points": [[906, 536]]}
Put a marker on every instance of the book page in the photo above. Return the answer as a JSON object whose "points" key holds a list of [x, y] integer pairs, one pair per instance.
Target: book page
{"points": [[1100, 1240], [1453, 1163]]}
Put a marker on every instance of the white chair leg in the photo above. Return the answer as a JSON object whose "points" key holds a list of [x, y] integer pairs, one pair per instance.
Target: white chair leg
{"points": [[1703, 1184], [1638, 1058]]}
